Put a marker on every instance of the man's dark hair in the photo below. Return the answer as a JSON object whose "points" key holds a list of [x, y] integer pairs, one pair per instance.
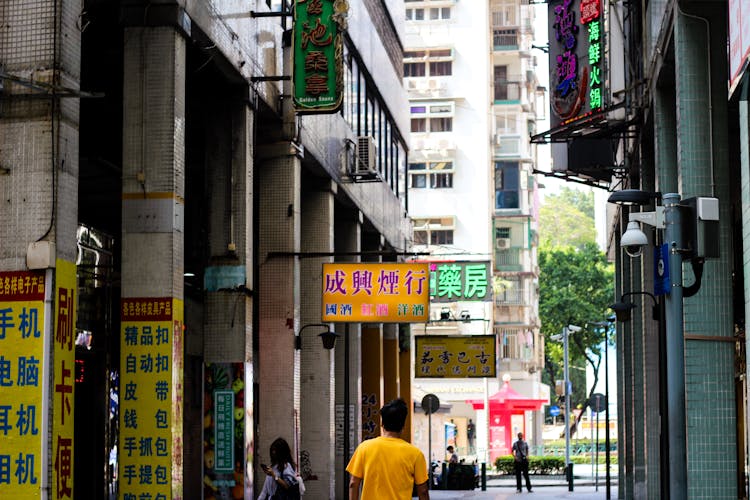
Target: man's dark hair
{"points": [[393, 415]]}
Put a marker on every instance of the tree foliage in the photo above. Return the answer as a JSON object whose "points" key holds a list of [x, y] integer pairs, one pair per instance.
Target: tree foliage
{"points": [[576, 285], [567, 219]]}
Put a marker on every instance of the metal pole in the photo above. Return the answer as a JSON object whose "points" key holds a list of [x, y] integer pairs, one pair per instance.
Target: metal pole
{"points": [[675, 352], [569, 473], [593, 445], [429, 445], [606, 415], [347, 445], [596, 474]]}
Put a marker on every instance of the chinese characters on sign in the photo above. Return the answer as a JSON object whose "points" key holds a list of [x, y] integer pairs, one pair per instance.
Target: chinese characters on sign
{"points": [[464, 281], [370, 418], [375, 293], [150, 398], [22, 313], [575, 59], [318, 54], [457, 356], [63, 386]]}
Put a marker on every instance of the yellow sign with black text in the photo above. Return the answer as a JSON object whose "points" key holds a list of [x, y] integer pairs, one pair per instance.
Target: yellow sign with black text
{"points": [[455, 356]]}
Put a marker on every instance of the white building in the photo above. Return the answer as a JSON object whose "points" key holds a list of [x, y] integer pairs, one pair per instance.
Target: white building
{"points": [[472, 195]]}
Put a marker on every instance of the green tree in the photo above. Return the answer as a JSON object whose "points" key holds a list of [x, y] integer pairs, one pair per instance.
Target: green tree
{"points": [[576, 285], [567, 219]]}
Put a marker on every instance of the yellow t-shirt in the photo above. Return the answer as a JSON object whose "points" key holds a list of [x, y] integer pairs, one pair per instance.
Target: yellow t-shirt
{"points": [[389, 468]]}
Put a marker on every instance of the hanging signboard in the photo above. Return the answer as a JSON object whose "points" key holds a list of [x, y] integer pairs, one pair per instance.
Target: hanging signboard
{"points": [[455, 356], [460, 281], [576, 59], [375, 293], [318, 77]]}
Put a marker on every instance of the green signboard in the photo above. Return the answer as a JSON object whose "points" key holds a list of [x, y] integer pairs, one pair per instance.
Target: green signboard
{"points": [[224, 431], [318, 55], [460, 281]]}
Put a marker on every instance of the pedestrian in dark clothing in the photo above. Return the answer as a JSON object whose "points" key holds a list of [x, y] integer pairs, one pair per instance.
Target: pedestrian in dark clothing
{"points": [[521, 456]]}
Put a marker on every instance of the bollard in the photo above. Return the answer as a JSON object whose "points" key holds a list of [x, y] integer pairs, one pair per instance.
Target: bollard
{"points": [[444, 477], [484, 476], [570, 476]]}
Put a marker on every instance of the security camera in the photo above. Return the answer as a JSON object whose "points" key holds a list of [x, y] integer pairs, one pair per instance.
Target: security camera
{"points": [[556, 337], [633, 240], [574, 328]]}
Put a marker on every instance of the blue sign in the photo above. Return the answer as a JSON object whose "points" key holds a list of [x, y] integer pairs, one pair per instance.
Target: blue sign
{"points": [[554, 410], [662, 283]]}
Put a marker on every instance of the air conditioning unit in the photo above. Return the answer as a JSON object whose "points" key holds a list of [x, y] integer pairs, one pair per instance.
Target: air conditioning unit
{"points": [[502, 243], [366, 155]]}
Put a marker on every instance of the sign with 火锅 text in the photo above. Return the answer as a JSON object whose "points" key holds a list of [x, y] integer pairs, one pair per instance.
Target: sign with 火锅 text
{"points": [[375, 293], [455, 356]]}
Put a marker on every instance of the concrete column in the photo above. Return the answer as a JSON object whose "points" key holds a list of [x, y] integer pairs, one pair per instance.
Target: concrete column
{"points": [[152, 250], [405, 361], [372, 379], [278, 219], [317, 374], [391, 372], [348, 367], [700, 35]]}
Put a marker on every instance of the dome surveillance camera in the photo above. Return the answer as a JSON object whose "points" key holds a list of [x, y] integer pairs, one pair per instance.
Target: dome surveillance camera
{"points": [[633, 240]]}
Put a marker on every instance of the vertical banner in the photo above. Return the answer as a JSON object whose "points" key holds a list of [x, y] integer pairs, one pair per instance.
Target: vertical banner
{"points": [[224, 416], [22, 320], [63, 386], [151, 364], [318, 55]]}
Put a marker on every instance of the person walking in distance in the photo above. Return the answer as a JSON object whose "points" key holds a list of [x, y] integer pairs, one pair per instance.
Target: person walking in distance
{"points": [[387, 466], [521, 456]]}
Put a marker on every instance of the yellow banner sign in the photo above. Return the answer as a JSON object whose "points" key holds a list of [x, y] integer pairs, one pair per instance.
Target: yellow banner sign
{"points": [[22, 357], [63, 400], [151, 398], [455, 356], [376, 293]]}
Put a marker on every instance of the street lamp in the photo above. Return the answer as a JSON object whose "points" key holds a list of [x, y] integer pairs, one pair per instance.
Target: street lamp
{"points": [[701, 219], [564, 335], [606, 325], [328, 337]]}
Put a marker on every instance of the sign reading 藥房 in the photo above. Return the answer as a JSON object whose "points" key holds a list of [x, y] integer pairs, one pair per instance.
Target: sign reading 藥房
{"points": [[460, 281], [22, 356], [151, 365], [576, 59], [375, 293], [63, 402], [455, 356], [318, 78]]}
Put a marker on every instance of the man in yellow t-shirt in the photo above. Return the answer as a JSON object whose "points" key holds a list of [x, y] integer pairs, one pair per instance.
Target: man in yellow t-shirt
{"points": [[387, 466]]}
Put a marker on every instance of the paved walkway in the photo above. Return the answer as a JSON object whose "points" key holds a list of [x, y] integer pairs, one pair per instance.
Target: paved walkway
{"points": [[538, 493]]}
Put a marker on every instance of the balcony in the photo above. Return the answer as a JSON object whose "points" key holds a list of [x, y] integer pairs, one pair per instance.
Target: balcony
{"points": [[520, 350]]}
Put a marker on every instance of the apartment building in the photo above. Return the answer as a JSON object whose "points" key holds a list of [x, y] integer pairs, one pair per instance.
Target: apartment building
{"points": [[473, 97]]}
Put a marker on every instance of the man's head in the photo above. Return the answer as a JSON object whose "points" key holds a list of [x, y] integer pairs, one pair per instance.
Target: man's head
{"points": [[520, 435], [393, 415], [450, 449]]}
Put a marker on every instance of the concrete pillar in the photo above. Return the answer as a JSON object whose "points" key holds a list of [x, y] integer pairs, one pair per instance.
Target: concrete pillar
{"points": [[700, 35], [391, 373], [372, 379], [317, 374], [278, 173], [348, 367], [152, 259], [405, 360]]}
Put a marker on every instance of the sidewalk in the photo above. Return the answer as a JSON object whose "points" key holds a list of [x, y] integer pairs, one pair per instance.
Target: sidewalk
{"points": [[540, 492]]}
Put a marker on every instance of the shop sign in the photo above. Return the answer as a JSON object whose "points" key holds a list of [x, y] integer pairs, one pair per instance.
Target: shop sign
{"points": [[455, 356], [375, 293], [460, 281], [318, 78]]}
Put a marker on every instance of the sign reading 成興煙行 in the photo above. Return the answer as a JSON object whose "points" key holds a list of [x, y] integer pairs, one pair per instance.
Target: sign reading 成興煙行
{"points": [[318, 78], [375, 293]]}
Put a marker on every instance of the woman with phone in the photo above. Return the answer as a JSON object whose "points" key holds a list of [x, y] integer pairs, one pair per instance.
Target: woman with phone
{"points": [[281, 481]]}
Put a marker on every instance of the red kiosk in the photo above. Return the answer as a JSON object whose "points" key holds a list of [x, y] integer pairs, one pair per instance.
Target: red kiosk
{"points": [[503, 405]]}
